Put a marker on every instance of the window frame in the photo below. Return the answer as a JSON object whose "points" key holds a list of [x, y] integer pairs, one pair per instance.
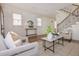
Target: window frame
{"points": [[39, 22], [17, 19]]}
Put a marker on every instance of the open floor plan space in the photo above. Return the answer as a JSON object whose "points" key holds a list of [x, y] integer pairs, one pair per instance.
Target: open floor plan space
{"points": [[39, 29]]}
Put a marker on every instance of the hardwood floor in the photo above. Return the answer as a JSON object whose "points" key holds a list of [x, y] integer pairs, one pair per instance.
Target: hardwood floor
{"points": [[69, 48]]}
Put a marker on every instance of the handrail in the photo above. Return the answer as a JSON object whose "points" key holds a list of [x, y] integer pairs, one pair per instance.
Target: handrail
{"points": [[68, 12], [75, 5]]}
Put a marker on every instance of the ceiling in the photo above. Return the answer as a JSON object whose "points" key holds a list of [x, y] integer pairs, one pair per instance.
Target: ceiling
{"points": [[46, 9]]}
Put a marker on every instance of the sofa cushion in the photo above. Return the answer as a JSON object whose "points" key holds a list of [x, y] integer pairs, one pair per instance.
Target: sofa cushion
{"points": [[2, 45], [14, 36], [9, 41], [18, 42]]}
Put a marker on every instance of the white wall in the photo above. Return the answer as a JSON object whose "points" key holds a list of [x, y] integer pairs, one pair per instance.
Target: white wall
{"points": [[9, 10], [0, 27], [45, 23], [75, 32], [0, 21]]}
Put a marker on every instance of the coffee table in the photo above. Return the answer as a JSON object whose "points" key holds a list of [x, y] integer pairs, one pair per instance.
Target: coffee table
{"points": [[54, 38]]}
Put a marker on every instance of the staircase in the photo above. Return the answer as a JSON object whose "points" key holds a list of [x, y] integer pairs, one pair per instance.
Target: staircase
{"points": [[68, 17]]}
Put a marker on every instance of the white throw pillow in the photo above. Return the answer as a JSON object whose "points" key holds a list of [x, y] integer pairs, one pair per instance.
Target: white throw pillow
{"points": [[18, 42], [2, 45], [9, 41]]}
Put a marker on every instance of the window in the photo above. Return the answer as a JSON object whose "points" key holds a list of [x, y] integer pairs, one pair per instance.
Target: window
{"points": [[17, 18], [39, 21]]}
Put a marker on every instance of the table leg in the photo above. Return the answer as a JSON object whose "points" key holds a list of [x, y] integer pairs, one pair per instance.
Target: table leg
{"points": [[58, 41], [53, 46], [44, 45], [62, 41]]}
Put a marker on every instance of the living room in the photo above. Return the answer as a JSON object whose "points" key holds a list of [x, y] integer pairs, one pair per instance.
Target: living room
{"points": [[33, 22]]}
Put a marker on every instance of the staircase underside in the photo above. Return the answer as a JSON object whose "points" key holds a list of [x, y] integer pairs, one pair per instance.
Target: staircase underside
{"points": [[70, 19]]}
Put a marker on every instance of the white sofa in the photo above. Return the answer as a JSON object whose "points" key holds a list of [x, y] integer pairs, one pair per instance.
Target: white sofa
{"points": [[28, 49]]}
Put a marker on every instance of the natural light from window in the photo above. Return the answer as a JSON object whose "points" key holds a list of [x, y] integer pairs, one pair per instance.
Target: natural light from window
{"points": [[17, 19], [39, 22]]}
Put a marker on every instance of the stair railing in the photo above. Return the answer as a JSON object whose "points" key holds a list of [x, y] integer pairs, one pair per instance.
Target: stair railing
{"points": [[70, 13]]}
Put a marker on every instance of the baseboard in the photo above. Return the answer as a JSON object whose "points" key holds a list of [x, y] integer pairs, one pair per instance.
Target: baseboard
{"points": [[77, 41], [69, 40]]}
